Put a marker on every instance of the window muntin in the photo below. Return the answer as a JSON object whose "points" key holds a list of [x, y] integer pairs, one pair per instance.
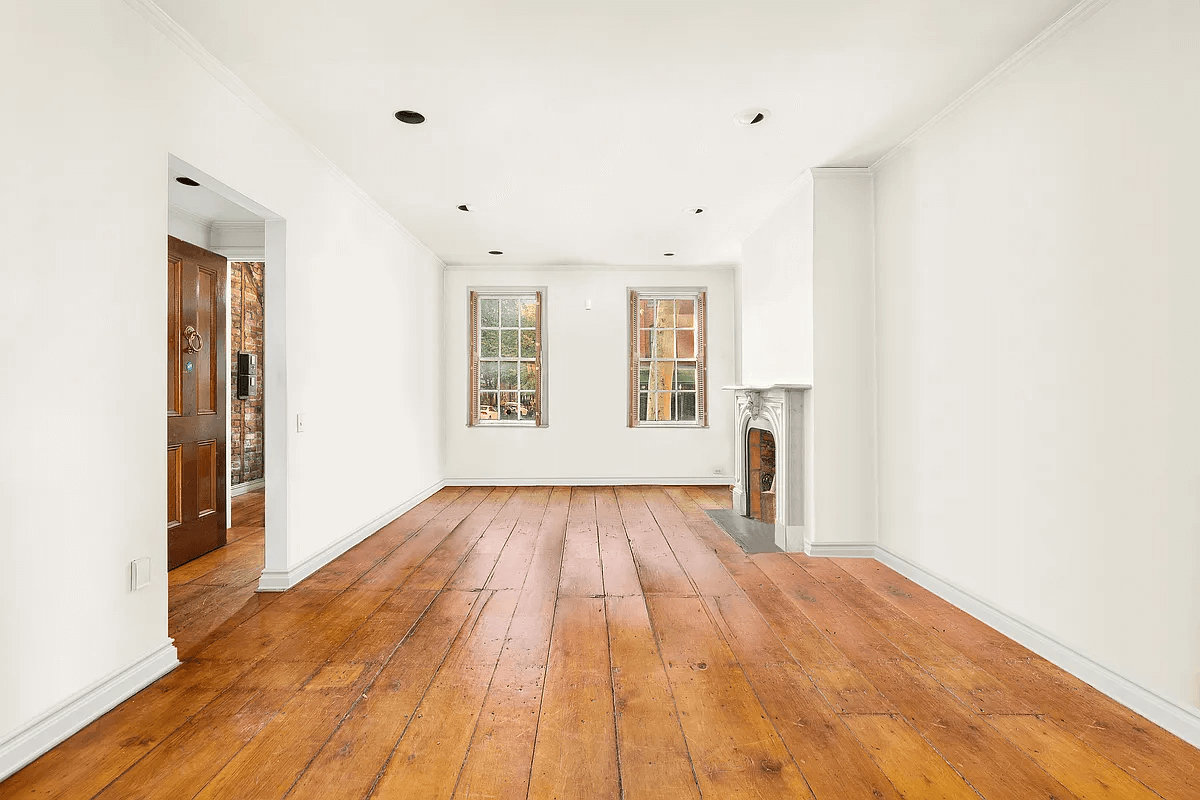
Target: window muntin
{"points": [[506, 350], [667, 358]]}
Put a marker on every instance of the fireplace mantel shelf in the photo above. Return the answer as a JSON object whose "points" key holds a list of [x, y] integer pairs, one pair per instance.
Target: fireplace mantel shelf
{"points": [[766, 388]]}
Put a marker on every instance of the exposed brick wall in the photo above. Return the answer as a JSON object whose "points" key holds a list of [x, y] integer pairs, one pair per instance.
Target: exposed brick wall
{"points": [[760, 457], [246, 312]]}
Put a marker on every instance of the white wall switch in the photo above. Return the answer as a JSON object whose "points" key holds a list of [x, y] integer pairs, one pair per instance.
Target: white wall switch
{"points": [[139, 574], [299, 423]]}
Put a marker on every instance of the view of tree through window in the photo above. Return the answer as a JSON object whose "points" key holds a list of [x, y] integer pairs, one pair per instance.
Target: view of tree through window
{"points": [[509, 383], [669, 359]]}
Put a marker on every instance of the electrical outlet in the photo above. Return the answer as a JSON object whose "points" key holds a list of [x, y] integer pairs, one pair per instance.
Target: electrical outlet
{"points": [[719, 471], [299, 423], [139, 574]]}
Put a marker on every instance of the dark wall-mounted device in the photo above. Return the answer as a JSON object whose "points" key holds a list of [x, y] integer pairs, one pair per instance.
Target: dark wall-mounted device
{"points": [[247, 375]]}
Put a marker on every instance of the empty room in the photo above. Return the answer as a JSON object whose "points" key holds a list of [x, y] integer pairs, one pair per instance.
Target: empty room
{"points": [[600, 400]]}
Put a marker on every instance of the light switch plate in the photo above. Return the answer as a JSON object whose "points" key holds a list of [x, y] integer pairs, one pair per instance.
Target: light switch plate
{"points": [[299, 423], [139, 573]]}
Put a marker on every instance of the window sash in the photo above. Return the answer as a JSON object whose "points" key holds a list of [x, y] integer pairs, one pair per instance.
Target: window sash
{"points": [[645, 356], [520, 388]]}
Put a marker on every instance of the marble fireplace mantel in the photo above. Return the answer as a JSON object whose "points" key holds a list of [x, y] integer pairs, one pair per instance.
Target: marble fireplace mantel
{"points": [[779, 409]]}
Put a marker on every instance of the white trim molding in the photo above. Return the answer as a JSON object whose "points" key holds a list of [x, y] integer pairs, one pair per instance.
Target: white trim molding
{"points": [[280, 580], [247, 487], [239, 241], [706, 480], [1180, 720], [1071, 19], [840, 549], [248, 254], [189, 215], [82, 708]]}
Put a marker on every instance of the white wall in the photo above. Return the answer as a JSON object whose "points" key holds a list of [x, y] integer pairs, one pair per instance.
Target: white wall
{"points": [[95, 98], [587, 366], [1038, 330], [776, 293], [843, 396], [807, 288]]}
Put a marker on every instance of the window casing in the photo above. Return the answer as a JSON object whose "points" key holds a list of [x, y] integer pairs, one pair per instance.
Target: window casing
{"points": [[506, 358], [667, 358]]}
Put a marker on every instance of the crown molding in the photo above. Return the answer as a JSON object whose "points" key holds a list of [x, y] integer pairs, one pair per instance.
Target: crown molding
{"points": [[246, 254], [180, 37], [190, 216], [1074, 17], [253, 227]]}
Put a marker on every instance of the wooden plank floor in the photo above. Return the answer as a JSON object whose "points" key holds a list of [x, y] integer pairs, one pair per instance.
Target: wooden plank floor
{"points": [[595, 643]]}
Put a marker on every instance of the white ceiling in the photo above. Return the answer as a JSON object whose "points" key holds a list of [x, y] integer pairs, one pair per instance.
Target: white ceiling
{"points": [[582, 130], [203, 203]]}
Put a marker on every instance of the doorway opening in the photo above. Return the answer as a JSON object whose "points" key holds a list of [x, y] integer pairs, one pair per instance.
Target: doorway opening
{"points": [[247, 429], [220, 227]]}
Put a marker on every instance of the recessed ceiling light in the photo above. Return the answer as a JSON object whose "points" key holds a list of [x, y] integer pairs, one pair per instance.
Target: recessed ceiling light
{"points": [[668, 255], [411, 117], [695, 210], [495, 252], [186, 181], [752, 116], [466, 207]]}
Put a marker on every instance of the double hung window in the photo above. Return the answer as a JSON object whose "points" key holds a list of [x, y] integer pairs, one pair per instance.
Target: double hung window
{"points": [[667, 385], [506, 358]]}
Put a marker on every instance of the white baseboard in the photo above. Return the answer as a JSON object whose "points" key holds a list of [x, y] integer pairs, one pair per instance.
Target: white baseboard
{"points": [[788, 538], [1180, 720], [44, 732], [280, 580], [248, 486], [840, 549], [707, 480]]}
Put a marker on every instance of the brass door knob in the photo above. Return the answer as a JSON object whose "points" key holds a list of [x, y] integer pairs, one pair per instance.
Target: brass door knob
{"points": [[195, 342]]}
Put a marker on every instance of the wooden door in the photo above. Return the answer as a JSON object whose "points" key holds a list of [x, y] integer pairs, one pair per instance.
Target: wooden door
{"points": [[196, 400]]}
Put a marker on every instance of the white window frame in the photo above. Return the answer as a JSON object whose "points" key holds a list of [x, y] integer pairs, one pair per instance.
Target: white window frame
{"points": [[476, 296], [699, 295]]}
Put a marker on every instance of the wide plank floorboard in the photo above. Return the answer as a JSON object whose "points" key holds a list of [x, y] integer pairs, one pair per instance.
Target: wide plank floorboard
{"points": [[598, 642]]}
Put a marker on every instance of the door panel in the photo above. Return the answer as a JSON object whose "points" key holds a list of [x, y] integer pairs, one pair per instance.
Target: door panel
{"points": [[206, 478], [174, 485], [207, 304], [196, 392]]}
